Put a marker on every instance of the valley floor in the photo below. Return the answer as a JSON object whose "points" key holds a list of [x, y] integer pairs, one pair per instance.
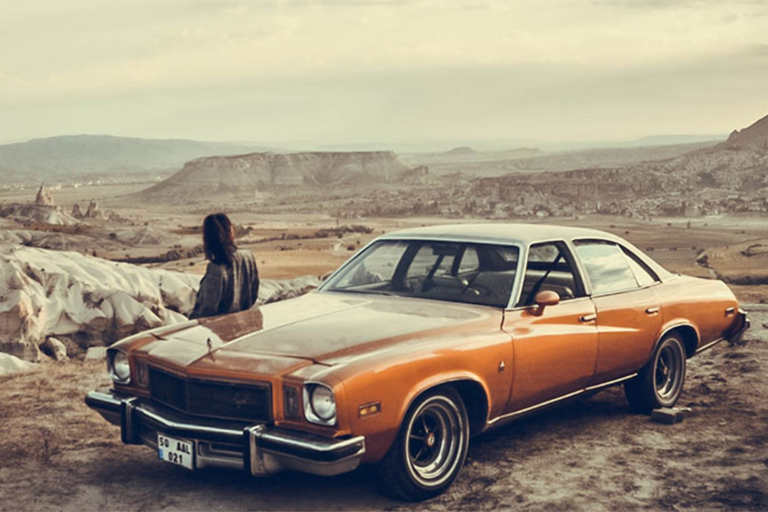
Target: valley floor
{"points": [[590, 455]]}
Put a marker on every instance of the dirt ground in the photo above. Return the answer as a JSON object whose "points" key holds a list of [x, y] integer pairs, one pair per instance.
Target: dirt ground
{"points": [[592, 454], [589, 455]]}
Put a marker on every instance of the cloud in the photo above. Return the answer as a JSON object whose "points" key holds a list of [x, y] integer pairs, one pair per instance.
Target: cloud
{"points": [[678, 4], [426, 65], [757, 50], [263, 5]]}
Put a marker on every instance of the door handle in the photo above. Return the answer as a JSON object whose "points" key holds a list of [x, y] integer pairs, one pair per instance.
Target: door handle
{"points": [[652, 311], [587, 318]]}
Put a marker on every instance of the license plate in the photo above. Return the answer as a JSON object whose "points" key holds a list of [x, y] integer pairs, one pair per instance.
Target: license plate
{"points": [[175, 451]]}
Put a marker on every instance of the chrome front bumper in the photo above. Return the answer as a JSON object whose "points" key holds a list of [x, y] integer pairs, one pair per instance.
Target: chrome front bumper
{"points": [[258, 449]]}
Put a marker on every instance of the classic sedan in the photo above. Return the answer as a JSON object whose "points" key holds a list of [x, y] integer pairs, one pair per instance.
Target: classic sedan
{"points": [[422, 340]]}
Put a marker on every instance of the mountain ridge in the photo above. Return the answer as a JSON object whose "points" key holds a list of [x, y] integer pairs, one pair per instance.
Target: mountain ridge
{"points": [[72, 157]]}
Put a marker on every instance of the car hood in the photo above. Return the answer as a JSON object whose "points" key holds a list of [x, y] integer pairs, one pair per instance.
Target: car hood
{"points": [[318, 328]]}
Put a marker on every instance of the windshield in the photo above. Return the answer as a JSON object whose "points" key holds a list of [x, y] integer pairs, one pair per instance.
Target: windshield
{"points": [[459, 272]]}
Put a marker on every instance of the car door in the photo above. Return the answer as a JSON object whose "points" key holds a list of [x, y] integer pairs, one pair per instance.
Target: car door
{"points": [[628, 313], [555, 349]]}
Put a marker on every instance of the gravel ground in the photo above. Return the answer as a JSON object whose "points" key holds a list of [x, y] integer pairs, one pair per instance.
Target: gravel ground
{"points": [[592, 454]]}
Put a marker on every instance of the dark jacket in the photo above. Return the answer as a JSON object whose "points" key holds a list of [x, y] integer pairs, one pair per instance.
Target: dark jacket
{"points": [[228, 288]]}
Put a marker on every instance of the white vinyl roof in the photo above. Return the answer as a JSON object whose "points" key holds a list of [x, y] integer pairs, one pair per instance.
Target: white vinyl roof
{"points": [[520, 234]]}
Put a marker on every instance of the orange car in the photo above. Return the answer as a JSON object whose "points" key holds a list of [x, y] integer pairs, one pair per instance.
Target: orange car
{"points": [[423, 339]]}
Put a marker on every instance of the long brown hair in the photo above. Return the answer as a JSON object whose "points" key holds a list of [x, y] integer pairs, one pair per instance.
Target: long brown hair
{"points": [[218, 238]]}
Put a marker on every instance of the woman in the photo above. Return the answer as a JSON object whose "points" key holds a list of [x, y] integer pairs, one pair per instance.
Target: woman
{"points": [[231, 281]]}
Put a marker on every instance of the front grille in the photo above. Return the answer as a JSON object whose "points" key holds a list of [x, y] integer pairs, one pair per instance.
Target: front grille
{"points": [[212, 399]]}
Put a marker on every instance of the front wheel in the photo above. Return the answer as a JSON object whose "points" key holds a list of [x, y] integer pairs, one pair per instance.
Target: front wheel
{"points": [[660, 382], [430, 448]]}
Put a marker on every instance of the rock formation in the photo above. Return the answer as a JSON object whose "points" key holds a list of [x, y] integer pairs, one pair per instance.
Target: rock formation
{"points": [[35, 214], [94, 212], [753, 137], [10, 364], [247, 175], [44, 197], [94, 302]]}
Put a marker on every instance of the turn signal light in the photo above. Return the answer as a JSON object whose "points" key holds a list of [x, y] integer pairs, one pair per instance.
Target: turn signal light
{"points": [[368, 410], [291, 402], [142, 375]]}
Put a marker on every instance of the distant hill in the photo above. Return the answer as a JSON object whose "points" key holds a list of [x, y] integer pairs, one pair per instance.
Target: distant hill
{"points": [[754, 137], [75, 156], [462, 158], [528, 160], [729, 176], [670, 140], [250, 174], [461, 150], [738, 164]]}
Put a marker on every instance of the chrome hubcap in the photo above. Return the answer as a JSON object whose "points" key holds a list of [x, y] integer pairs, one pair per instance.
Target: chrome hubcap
{"points": [[435, 441], [668, 374]]}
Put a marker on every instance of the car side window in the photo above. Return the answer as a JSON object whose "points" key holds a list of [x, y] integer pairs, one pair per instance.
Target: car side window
{"points": [[607, 266], [550, 267], [644, 276]]}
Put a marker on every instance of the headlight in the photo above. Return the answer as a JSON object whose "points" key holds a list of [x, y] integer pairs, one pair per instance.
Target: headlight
{"points": [[119, 366], [319, 404]]}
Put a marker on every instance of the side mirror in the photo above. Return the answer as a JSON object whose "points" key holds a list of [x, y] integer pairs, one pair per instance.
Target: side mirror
{"points": [[545, 298]]}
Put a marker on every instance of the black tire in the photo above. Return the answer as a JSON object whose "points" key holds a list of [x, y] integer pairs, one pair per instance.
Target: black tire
{"points": [[430, 448], [660, 382]]}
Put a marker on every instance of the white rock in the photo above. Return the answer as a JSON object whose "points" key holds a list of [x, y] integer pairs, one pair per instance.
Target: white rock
{"points": [[96, 354], [10, 364], [56, 348], [53, 293]]}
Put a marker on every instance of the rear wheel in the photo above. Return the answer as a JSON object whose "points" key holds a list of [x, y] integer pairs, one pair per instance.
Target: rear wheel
{"points": [[430, 448], [660, 382]]}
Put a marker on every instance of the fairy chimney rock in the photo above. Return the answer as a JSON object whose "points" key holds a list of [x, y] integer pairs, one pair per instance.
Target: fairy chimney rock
{"points": [[43, 197], [94, 212]]}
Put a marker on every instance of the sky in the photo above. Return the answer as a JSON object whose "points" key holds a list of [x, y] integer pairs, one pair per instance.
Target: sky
{"points": [[320, 73]]}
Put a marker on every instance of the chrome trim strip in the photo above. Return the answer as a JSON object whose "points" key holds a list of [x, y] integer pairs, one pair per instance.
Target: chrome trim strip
{"points": [[533, 407], [709, 345], [298, 443], [187, 426], [558, 399], [611, 383], [672, 328]]}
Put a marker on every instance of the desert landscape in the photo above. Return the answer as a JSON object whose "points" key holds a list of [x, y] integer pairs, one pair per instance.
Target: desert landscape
{"points": [[317, 126], [88, 258]]}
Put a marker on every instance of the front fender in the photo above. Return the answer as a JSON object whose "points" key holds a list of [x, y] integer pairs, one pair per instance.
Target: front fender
{"points": [[396, 389]]}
